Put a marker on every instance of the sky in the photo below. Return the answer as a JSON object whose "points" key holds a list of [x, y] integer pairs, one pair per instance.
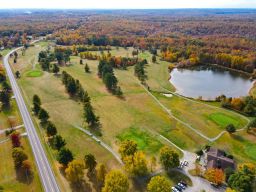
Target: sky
{"points": [[127, 4]]}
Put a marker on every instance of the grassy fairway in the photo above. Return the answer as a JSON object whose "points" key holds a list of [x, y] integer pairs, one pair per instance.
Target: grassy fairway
{"points": [[223, 120], [144, 140], [137, 109], [158, 74], [34, 73], [208, 120]]}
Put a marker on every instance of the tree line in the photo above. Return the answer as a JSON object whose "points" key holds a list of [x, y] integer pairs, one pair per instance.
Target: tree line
{"points": [[21, 161], [5, 92], [116, 62], [246, 105], [62, 56], [139, 70], [75, 90], [106, 72]]}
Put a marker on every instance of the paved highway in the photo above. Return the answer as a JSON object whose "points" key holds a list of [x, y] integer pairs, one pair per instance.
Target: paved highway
{"points": [[44, 168]]}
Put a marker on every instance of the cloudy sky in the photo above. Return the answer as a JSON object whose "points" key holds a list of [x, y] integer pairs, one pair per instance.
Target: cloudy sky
{"points": [[115, 4]]}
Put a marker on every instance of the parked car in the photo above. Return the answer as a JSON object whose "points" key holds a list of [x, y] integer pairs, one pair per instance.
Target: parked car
{"points": [[182, 186], [184, 183], [175, 190], [178, 187]]}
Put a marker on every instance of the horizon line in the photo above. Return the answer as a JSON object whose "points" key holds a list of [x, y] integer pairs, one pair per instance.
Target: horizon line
{"points": [[53, 8]]}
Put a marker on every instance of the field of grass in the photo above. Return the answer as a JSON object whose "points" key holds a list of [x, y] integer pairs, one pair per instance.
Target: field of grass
{"points": [[241, 145], [145, 141], [34, 73], [158, 74], [223, 120], [137, 109], [8, 177], [209, 121]]}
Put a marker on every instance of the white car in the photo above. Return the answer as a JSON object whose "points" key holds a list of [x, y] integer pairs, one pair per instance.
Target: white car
{"points": [[182, 186], [175, 190]]}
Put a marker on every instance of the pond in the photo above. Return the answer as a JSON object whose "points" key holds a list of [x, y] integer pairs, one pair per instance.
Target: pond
{"points": [[209, 82]]}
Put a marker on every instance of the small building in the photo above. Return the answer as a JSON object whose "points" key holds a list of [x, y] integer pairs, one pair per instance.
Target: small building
{"points": [[217, 159]]}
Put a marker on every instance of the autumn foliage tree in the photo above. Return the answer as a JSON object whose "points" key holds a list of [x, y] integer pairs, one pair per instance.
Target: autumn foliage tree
{"points": [[18, 156], [101, 172], [169, 158], [75, 171], [159, 184], [215, 176], [127, 148], [15, 137], [116, 181], [136, 164], [90, 162]]}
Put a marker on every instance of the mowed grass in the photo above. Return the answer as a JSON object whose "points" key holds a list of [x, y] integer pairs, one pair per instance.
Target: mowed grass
{"points": [[30, 60], [145, 141], [240, 144], [8, 177], [137, 109], [12, 113], [64, 113], [223, 120], [158, 74], [250, 150], [208, 120], [34, 73]]}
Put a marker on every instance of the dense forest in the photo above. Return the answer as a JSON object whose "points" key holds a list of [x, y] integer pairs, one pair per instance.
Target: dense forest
{"points": [[223, 37]]}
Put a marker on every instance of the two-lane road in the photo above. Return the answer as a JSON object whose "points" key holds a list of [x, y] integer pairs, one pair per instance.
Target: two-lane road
{"points": [[44, 168]]}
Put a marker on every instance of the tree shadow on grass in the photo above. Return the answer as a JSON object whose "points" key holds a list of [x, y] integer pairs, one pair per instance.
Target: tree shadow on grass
{"points": [[176, 176], [93, 179], [96, 129], [24, 177], [140, 183], [237, 137], [6, 109], [82, 186]]}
